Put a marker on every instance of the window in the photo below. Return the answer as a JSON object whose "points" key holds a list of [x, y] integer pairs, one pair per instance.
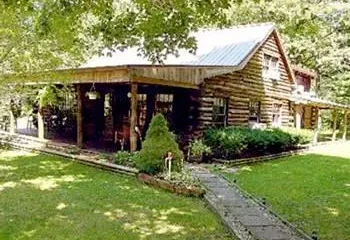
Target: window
{"points": [[220, 110], [276, 115], [141, 109], [164, 105], [254, 111], [271, 67]]}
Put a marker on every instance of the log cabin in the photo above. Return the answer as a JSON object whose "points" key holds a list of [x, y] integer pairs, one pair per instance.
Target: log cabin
{"points": [[239, 76]]}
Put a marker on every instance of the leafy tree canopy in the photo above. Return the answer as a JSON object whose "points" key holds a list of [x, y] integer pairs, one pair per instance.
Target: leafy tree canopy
{"points": [[316, 34], [40, 35]]}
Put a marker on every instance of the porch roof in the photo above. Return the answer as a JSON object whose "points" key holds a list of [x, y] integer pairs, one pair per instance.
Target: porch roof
{"points": [[307, 99]]}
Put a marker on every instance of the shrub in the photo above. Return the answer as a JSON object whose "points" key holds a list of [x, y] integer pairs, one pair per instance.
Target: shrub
{"points": [[125, 158], [225, 141], [158, 142], [198, 148], [300, 136], [184, 178], [231, 142]]}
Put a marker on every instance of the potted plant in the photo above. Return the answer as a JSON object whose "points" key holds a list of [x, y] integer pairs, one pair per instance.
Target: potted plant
{"points": [[197, 150]]}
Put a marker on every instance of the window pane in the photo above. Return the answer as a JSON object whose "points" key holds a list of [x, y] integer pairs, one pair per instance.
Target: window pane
{"points": [[220, 111], [271, 67], [254, 111]]}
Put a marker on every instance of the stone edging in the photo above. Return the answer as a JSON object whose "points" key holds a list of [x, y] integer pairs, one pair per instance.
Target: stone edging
{"points": [[259, 159], [304, 148], [300, 232]]}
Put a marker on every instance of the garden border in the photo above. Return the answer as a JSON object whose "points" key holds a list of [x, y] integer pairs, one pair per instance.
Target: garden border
{"points": [[240, 161], [252, 160], [169, 186]]}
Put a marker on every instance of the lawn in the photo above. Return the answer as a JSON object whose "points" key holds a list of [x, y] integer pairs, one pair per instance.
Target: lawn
{"points": [[46, 197], [312, 191]]}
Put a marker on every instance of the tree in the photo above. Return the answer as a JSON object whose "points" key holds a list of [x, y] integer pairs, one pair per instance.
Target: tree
{"points": [[158, 142], [35, 37], [40, 35], [316, 35]]}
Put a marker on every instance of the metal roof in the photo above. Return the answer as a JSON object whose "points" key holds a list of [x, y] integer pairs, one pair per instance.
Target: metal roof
{"points": [[230, 55], [215, 47]]}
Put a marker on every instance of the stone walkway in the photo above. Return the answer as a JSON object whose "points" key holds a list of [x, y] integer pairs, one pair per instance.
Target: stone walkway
{"points": [[245, 218]]}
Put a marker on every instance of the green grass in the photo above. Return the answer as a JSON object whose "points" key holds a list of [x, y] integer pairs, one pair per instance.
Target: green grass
{"points": [[312, 191], [46, 197]]}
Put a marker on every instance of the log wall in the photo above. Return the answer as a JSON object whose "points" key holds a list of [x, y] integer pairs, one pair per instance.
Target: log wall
{"points": [[247, 85]]}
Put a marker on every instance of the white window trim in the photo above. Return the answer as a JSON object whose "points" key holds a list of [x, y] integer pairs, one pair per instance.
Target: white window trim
{"points": [[258, 116], [280, 111], [272, 72]]}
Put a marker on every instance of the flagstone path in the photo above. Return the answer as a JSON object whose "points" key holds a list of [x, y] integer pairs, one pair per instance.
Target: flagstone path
{"points": [[245, 218]]}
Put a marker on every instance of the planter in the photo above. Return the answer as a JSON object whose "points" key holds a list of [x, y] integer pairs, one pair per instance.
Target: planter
{"points": [[92, 95], [169, 186]]}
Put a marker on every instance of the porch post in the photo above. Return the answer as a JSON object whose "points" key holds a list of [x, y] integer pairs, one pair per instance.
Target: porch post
{"points": [[298, 110], [317, 126], [345, 124], [79, 116], [12, 123], [133, 118], [41, 127], [335, 119]]}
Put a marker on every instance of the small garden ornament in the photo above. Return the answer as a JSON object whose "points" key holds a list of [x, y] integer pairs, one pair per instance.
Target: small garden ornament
{"points": [[168, 159]]}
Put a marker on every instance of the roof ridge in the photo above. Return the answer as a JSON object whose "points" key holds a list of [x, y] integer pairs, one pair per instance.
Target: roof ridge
{"points": [[258, 24]]}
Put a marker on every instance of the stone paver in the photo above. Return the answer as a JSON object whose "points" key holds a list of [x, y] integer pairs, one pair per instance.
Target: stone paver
{"points": [[245, 218]]}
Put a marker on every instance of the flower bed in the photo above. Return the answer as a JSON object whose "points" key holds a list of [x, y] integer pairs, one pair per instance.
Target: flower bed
{"points": [[175, 187]]}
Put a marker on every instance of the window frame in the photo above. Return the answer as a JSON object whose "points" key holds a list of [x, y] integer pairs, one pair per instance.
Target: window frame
{"points": [[271, 67], [257, 110], [277, 111], [220, 102]]}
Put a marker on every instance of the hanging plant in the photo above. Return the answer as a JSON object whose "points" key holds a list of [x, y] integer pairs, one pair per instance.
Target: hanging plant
{"points": [[93, 94]]}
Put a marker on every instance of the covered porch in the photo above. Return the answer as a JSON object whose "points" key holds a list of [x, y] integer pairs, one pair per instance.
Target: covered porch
{"points": [[119, 117], [126, 98], [308, 112]]}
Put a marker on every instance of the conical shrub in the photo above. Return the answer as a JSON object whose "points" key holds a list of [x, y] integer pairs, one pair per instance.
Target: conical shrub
{"points": [[158, 142]]}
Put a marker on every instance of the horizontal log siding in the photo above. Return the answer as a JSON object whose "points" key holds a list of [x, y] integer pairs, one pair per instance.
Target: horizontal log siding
{"points": [[242, 86]]}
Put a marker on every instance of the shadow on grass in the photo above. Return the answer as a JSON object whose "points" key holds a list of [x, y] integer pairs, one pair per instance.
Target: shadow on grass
{"points": [[46, 197]]}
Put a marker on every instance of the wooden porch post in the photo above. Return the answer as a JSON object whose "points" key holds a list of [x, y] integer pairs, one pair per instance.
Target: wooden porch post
{"points": [[298, 109], [335, 119], [41, 127], [12, 123], [317, 126], [133, 118], [79, 116], [345, 124]]}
